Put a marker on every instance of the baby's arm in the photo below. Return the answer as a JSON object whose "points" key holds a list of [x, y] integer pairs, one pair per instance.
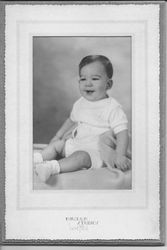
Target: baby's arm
{"points": [[67, 126], [122, 142], [121, 160]]}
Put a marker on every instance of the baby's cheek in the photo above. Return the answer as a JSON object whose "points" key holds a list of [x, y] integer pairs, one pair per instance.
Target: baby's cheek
{"points": [[102, 87]]}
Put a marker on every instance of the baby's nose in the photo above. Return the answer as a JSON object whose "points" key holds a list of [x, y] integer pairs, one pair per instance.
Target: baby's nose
{"points": [[89, 82]]}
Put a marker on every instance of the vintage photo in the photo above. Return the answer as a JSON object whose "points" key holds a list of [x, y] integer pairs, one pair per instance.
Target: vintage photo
{"points": [[84, 96], [82, 112]]}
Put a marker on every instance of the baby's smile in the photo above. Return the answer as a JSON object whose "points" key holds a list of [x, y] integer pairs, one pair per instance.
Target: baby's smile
{"points": [[89, 92]]}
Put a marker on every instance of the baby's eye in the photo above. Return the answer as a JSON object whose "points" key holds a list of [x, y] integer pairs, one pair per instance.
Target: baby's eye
{"points": [[82, 79], [95, 78]]}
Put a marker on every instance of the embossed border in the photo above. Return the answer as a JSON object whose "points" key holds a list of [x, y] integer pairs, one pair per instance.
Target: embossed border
{"points": [[162, 137]]}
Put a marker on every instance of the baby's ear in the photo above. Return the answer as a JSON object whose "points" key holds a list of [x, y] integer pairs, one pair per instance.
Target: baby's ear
{"points": [[109, 84]]}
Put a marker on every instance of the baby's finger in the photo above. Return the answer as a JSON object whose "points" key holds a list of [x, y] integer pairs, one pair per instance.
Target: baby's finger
{"points": [[119, 165], [126, 167], [111, 165], [128, 164], [123, 167]]}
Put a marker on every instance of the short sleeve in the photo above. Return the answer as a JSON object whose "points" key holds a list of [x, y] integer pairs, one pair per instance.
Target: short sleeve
{"points": [[118, 120]]}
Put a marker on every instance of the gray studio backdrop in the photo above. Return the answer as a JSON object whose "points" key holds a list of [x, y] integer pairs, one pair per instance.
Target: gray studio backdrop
{"points": [[55, 77]]}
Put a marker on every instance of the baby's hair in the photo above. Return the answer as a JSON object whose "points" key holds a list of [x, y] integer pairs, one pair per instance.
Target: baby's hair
{"points": [[99, 58]]}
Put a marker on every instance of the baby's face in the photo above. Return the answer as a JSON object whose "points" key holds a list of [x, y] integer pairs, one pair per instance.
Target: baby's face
{"points": [[94, 81]]}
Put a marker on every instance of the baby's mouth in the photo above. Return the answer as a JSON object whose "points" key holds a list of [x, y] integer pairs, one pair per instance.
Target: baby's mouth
{"points": [[89, 92]]}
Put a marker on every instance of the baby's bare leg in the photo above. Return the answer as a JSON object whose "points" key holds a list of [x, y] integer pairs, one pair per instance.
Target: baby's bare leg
{"points": [[52, 150], [76, 161]]}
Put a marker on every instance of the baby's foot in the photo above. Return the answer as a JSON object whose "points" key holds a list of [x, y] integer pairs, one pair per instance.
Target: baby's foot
{"points": [[37, 157], [45, 169]]}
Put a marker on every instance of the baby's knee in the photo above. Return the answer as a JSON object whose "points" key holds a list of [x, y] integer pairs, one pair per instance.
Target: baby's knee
{"points": [[84, 159], [57, 146]]}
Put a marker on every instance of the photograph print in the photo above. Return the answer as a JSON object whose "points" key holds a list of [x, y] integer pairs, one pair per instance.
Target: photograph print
{"points": [[84, 136], [82, 113]]}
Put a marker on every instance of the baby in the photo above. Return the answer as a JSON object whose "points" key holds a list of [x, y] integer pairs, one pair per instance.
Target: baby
{"points": [[95, 120]]}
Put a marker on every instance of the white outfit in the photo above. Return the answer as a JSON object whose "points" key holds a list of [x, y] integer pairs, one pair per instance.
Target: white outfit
{"points": [[94, 118]]}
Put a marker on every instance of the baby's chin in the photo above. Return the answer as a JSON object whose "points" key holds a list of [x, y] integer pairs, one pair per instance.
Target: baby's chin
{"points": [[92, 97]]}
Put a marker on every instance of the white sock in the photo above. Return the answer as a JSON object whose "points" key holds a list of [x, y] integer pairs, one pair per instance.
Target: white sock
{"points": [[47, 168], [37, 157]]}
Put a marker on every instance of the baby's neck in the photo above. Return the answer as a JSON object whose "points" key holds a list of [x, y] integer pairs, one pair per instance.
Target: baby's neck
{"points": [[105, 97]]}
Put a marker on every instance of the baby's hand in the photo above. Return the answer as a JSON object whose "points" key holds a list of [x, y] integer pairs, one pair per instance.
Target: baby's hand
{"points": [[122, 162], [54, 139]]}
